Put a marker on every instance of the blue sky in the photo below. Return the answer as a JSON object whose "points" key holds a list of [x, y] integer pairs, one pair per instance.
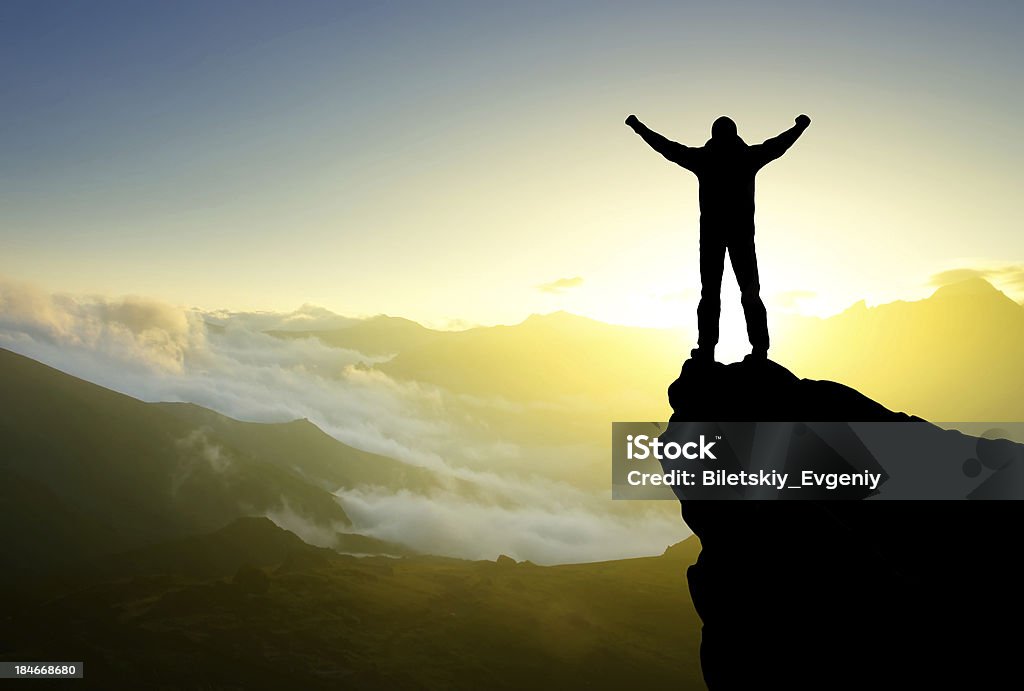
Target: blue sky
{"points": [[443, 160]]}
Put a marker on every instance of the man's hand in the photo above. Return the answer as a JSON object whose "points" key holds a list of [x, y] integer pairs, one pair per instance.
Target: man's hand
{"points": [[632, 121], [803, 120]]}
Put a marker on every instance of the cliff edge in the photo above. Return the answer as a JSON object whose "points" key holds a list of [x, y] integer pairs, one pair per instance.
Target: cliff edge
{"points": [[843, 594]]}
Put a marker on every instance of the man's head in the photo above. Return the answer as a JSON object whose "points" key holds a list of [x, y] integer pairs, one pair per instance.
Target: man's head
{"points": [[723, 129]]}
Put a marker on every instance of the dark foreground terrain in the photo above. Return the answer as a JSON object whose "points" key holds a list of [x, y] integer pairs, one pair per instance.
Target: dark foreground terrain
{"points": [[253, 607], [129, 544]]}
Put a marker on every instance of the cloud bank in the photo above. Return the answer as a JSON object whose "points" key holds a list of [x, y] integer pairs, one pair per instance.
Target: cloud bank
{"points": [[159, 352]]}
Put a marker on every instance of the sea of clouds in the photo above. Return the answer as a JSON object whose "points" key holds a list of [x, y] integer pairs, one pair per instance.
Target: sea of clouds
{"points": [[159, 352]]}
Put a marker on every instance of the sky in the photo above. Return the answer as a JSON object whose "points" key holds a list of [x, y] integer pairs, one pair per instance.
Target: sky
{"points": [[467, 162]]}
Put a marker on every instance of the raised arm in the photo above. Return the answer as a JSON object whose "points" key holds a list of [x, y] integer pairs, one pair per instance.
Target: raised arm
{"points": [[772, 148], [673, 151]]}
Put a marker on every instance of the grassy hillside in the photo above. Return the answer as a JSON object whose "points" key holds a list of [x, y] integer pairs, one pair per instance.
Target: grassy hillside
{"points": [[85, 470], [302, 447], [252, 607]]}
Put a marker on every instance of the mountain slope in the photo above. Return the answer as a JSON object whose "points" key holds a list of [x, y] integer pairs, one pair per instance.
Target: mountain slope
{"points": [[548, 358], [250, 607], [245, 542], [955, 356], [377, 336], [87, 470], [544, 358], [968, 331], [302, 447]]}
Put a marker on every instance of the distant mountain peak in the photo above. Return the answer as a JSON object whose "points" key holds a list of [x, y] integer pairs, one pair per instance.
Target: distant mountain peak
{"points": [[974, 287], [391, 319]]}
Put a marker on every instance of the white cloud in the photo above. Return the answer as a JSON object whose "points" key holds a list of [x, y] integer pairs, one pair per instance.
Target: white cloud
{"points": [[561, 285], [313, 533], [136, 332], [197, 452], [306, 318], [545, 533], [159, 352]]}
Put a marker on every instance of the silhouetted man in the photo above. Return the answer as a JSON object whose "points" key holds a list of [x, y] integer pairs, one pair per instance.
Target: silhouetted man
{"points": [[725, 167]]}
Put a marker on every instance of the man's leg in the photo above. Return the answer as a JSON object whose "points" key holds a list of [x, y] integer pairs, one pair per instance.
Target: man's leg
{"points": [[712, 263], [744, 265]]}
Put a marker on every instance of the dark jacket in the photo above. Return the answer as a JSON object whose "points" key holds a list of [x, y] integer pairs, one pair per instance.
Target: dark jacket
{"points": [[725, 167]]}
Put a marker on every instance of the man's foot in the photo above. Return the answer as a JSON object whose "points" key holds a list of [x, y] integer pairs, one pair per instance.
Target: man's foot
{"points": [[758, 355], [702, 354]]}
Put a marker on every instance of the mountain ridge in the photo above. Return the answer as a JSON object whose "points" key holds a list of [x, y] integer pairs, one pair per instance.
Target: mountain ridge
{"points": [[135, 472]]}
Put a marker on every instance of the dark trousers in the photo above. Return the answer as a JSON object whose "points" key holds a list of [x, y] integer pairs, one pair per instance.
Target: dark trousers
{"points": [[739, 241]]}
